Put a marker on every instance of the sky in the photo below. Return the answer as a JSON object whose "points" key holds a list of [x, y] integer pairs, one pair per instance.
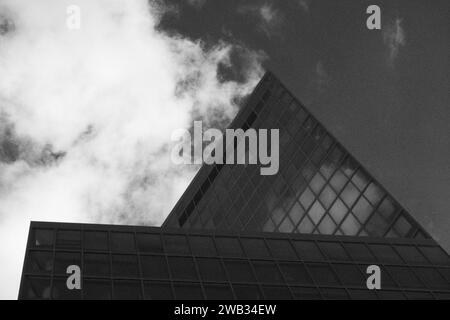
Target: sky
{"points": [[86, 115]]}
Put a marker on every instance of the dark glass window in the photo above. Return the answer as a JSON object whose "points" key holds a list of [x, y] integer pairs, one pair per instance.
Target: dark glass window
{"points": [[411, 254], [305, 293], [125, 266], [43, 238], [247, 292], [239, 271], [364, 294], [157, 291], [149, 243], [385, 253], [61, 292], [122, 242], [218, 292], [431, 278], [307, 250], [418, 295], [202, 246], [188, 291], [436, 255], [350, 275], [96, 264], [255, 248], [229, 247], [68, 239], [404, 277], [359, 252], [40, 262], [127, 290], [175, 244], [295, 273], [267, 272], [322, 274], [333, 251], [36, 288], [182, 268], [276, 293], [334, 294], [154, 267], [96, 240], [65, 259], [94, 289], [281, 249], [211, 269]]}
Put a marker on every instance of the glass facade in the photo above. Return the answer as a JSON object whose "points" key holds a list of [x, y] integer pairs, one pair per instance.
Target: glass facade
{"points": [[319, 189], [125, 262]]}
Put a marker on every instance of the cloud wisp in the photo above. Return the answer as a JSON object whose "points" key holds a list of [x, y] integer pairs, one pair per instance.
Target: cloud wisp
{"points": [[268, 19], [86, 115]]}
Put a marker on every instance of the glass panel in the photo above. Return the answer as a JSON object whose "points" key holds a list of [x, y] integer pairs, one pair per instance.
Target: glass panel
{"points": [[182, 268], [188, 291], [317, 183], [333, 251], [327, 196], [360, 179], [359, 252], [374, 193], [154, 267], [316, 212], [125, 265], [229, 247], [239, 271], [65, 259], [306, 226], [338, 211], [411, 254], [175, 244], [404, 277], [301, 293], [350, 226], [349, 194], [36, 288], [376, 226], [295, 273], [296, 213], [276, 293], [350, 275], [436, 255], [322, 274], [123, 242], [68, 239], [307, 250], [362, 210], [247, 292], [96, 240], [385, 253], [211, 270], [127, 290], [202, 246], [96, 264], [402, 227], [281, 249], [387, 209], [43, 238], [326, 226], [96, 289], [431, 278], [218, 292], [267, 272], [334, 294], [149, 243], [39, 262], [338, 181], [61, 292], [157, 291], [306, 198]]}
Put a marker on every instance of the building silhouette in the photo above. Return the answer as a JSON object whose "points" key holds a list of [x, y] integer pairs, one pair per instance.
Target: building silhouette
{"points": [[308, 232]]}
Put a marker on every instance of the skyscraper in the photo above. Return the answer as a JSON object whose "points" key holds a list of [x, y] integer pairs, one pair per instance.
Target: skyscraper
{"points": [[309, 232]]}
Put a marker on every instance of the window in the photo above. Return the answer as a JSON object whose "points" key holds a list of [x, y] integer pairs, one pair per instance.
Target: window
{"points": [[96, 264], [364, 294], [36, 288], [182, 268], [295, 273], [125, 266], [281, 249], [334, 294], [436, 255], [359, 252], [307, 250], [40, 262], [175, 244], [154, 267], [229, 247], [188, 291], [385, 253], [255, 248], [411, 254], [43, 238], [61, 292], [267, 272], [149, 243], [218, 292], [350, 275], [349, 194], [211, 270], [122, 242], [322, 274], [64, 260], [276, 293], [333, 250], [202, 246], [404, 277], [68, 239], [305, 293], [157, 291], [247, 292], [127, 290], [431, 278], [96, 289], [96, 240], [374, 193], [239, 271]]}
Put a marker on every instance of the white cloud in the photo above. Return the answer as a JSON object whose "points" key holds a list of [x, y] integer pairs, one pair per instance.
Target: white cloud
{"points": [[87, 116], [268, 18], [394, 38]]}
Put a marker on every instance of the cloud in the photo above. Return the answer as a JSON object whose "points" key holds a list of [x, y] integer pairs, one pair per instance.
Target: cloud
{"points": [[394, 38], [304, 4], [268, 18], [86, 115]]}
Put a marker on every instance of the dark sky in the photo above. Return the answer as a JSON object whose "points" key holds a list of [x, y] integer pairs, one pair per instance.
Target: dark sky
{"points": [[383, 93]]}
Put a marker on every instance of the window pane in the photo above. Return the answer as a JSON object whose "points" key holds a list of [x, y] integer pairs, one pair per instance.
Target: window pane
{"points": [[39, 262], [436, 255], [333, 250], [150, 243], [229, 247], [359, 252], [301, 293], [121, 241], [43, 238], [385, 253], [157, 291], [96, 290], [276, 293], [36, 288], [247, 292], [322, 274], [125, 265], [307, 250], [188, 291], [404, 277], [66, 259], [96, 264], [267, 272], [218, 292], [182, 268], [411, 254], [96, 240], [334, 294], [431, 278], [239, 271], [281, 249], [349, 194], [211, 269], [350, 275], [295, 273], [68, 239], [365, 294], [127, 290], [61, 292], [176, 244], [154, 267], [255, 248], [202, 246], [374, 193]]}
